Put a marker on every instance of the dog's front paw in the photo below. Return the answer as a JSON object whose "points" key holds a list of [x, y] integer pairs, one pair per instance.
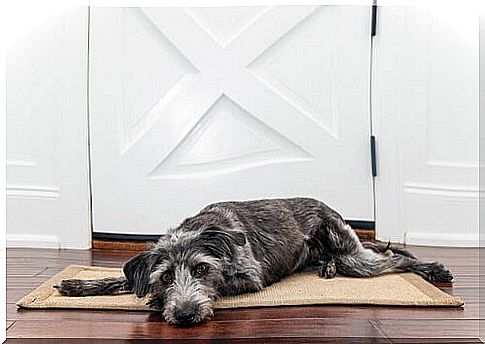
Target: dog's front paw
{"points": [[328, 270], [72, 287]]}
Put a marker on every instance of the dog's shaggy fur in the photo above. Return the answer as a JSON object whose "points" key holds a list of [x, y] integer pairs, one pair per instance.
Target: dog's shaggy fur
{"points": [[231, 248]]}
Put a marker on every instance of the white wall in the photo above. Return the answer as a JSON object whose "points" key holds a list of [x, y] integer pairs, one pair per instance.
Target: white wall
{"points": [[47, 155]]}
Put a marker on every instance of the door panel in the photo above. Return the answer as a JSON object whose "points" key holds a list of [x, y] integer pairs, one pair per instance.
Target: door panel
{"points": [[193, 106], [426, 120]]}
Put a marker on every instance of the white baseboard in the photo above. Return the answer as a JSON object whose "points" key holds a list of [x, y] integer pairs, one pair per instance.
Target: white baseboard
{"points": [[32, 240], [443, 239]]}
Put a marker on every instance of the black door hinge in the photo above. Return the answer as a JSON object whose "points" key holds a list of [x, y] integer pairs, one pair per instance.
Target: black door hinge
{"points": [[373, 20], [373, 155]]}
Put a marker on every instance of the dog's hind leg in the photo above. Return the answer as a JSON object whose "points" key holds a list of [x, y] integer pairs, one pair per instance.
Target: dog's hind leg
{"points": [[352, 259], [328, 268], [368, 263]]}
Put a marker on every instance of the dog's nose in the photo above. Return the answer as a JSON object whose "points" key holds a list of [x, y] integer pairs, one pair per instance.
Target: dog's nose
{"points": [[185, 316]]}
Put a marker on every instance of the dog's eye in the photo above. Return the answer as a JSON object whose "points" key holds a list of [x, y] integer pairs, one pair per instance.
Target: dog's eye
{"points": [[167, 277], [201, 269]]}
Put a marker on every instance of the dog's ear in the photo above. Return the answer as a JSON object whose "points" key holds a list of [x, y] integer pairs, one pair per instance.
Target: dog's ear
{"points": [[137, 271], [221, 242]]}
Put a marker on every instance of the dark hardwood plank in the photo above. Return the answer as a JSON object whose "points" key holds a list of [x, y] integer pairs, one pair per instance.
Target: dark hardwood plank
{"points": [[13, 270], [451, 328], [22, 282], [14, 294], [46, 253], [356, 312], [233, 329], [469, 295], [300, 340]]}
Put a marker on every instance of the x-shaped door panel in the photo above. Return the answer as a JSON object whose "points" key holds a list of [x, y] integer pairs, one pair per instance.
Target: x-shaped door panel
{"points": [[236, 68]]}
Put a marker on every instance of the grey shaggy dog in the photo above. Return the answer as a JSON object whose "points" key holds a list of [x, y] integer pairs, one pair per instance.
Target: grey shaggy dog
{"points": [[231, 248]]}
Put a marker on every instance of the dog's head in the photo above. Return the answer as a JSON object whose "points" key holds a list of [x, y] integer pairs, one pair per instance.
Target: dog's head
{"points": [[183, 272]]}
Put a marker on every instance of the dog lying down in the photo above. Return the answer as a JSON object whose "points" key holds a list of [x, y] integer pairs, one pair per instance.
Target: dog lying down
{"points": [[232, 248]]}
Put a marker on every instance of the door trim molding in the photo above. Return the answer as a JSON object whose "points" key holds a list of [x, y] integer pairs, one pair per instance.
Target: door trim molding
{"points": [[442, 239]]}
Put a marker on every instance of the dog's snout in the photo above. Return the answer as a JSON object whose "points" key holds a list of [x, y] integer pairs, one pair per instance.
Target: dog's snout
{"points": [[185, 315]]}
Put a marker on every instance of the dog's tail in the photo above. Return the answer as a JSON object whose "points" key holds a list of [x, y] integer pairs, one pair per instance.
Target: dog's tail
{"points": [[387, 249], [104, 286]]}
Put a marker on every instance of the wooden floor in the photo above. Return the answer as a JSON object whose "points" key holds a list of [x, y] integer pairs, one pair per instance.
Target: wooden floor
{"points": [[27, 268]]}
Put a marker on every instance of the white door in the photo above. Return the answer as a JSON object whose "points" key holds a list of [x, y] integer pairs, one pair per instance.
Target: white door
{"points": [[425, 112], [190, 106]]}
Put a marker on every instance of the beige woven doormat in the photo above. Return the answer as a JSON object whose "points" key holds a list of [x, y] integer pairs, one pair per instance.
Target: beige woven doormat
{"points": [[300, 289]]}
